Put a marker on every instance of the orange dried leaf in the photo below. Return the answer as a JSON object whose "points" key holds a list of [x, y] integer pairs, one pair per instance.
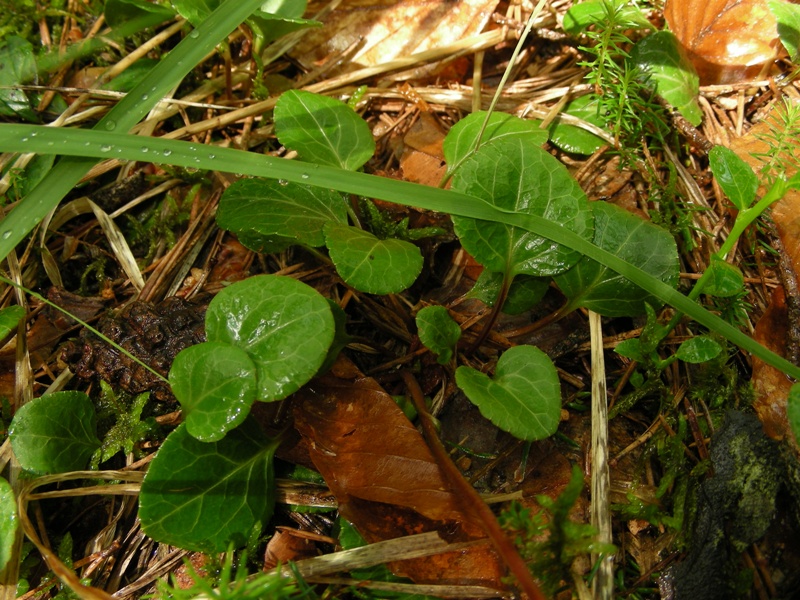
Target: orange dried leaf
{"points": [[385, 478], [727, 40], [390, 29]]}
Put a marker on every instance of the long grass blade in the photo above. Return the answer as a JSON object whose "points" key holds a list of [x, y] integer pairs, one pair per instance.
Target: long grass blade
{"points": [[129, 111], [98, 145]]}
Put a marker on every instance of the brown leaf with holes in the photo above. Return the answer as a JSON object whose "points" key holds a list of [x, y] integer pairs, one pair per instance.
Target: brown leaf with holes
{"points": [[384, 30], [727, 40], [385, 478]]}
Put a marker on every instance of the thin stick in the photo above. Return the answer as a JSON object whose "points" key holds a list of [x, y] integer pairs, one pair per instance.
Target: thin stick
{"points": [[470, 498], [603, 584]]}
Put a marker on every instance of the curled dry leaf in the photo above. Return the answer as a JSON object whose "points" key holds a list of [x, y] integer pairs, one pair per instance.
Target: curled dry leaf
{"points": [[385, 478], [727, 40], [382, 31]]}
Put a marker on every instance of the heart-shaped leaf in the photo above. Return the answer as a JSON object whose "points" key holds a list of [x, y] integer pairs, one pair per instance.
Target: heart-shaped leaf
{"points": [[524, 398], [323, 130], [734, 176], [652, 249], [285, 326], [369, 264], [203, 496], [462, 137], [215, 384], [273, 208], [670, 73], [438, 332], [55, 433], [514, 175]]}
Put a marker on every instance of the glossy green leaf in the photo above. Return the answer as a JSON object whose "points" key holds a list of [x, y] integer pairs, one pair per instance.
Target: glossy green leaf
{"points": [[670, 72], [195, 11], [204, 496], [274, 209], [652, 249], [215, 384], [788, 17], [9, 522], [277, 18], [369, 264], [462, 137], [596, 12], [734, 176], [630, 349], [10, 317], [698, 349], [524, 398], [438, 332], [340, 338], [793, 410], [18, 66], [525, 291], [323, 130], [118, 12], [572, 138], [515, 176], [270, 317], [722, 279], [55, 433]]}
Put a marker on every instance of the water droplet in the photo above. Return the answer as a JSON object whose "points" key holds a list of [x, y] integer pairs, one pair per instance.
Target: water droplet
{"points": [[145, 149], [304, 176], [24, 139], [197, 160], [194, 34], [110, 125], [212, 156], [6, 234], [51, 143], [34, 134], [282, 182], [105, 148], [167, 152], [145, 97], [87, 143]]}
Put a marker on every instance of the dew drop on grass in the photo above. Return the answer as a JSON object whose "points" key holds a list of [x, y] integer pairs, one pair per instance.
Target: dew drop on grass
{"points": [[167, 152], [212, 156], [304, 176], [145, 149], [194, 34], [145, 97], [6, 234], [110, 125], [105, 148], [282, 182], [24, 139]]}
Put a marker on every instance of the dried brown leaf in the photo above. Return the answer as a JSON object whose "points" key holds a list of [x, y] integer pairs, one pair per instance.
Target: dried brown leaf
{"points": [[727, 40], [385, 478]]}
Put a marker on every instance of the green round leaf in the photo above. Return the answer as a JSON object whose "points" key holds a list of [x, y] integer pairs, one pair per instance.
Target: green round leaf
{"points": [[516, 176], [323, 130], [722, 279], [438, 332], [280, 209], [215, 384], [663, 60], [203, 496], [369, 264], [285, 326], [571, 138], [524, 398], [55, 433], [734, 176], [10, 317], [647, 246], [9, 522], [462, 137], [698, 349]]}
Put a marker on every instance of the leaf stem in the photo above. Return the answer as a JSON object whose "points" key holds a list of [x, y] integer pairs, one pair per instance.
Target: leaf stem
{"points": [[469, 497]]}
